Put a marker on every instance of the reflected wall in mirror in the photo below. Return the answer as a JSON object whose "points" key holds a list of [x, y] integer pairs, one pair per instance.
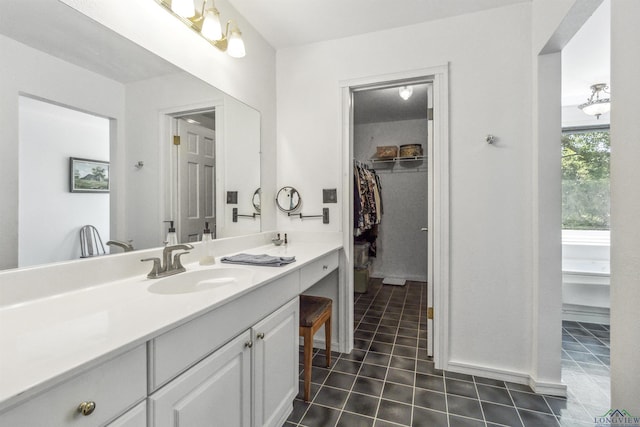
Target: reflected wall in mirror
{"points": [[54, 89], [288, 199]]}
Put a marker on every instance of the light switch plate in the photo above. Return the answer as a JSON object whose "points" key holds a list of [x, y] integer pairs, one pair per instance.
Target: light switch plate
{"points": [[232, 197]]}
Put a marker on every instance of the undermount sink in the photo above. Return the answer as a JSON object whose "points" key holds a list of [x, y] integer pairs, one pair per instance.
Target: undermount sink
{"points": [[201, 280]]}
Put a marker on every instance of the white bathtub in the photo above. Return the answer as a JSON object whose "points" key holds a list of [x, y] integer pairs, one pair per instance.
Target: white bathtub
{"points": [[585, 276]]}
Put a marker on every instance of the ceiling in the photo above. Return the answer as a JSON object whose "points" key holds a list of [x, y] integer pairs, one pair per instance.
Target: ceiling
{"points": [[285, 23], [386, 105], [101, 51], [586, 58]]}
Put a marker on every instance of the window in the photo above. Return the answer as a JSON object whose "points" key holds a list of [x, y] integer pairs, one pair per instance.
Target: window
{"points": [[585, 179]]}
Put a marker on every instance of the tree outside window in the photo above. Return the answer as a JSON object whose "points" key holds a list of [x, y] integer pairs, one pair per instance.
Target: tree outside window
{"points": [[585, 179]]}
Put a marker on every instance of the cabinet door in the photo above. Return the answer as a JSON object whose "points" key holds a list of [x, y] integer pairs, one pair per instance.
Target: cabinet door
{"points": [[275, 365], [135, 417], [214, 392]]}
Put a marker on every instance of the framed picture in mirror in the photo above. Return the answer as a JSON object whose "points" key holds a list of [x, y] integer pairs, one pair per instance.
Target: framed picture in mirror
{"points": [[88, 176]]}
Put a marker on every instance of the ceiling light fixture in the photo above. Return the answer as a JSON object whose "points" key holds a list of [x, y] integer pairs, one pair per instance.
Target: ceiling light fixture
{"points": [[405, 92], [597, 106], [207, 23]]}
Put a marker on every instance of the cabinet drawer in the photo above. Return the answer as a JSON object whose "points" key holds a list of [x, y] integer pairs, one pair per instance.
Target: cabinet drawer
{"points": [[114, 386], [311, 273]]}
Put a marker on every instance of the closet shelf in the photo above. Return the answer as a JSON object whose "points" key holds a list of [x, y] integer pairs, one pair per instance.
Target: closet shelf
{"points": [[398, 159]]}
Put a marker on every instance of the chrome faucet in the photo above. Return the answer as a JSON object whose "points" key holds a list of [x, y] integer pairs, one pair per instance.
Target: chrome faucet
{"points": [[126, 246], [168, 265]]}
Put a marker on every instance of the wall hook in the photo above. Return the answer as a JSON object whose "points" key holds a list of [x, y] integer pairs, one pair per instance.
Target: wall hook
{"points": [[139, 165], [490, 139]]}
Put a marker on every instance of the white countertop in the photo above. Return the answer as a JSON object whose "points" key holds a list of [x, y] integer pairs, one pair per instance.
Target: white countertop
{"points": [[47, 340]]}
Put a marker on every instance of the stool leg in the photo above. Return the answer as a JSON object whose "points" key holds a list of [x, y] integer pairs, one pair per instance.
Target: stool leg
{"points": [[308, 353], [327, 340]]}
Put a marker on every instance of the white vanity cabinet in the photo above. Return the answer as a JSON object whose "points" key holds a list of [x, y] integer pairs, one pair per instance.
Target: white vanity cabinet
{"points": [[110, 388], [250, 381]]}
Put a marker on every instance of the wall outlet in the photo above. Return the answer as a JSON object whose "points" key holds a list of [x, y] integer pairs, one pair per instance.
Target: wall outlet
{"points": [[330, 195]]}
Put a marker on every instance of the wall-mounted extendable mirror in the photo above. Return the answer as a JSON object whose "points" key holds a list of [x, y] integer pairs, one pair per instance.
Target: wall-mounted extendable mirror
{"points": [[256, 200], [288, 199]]}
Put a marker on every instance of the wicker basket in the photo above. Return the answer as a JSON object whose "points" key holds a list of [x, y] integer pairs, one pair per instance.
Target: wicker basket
{"points": [[410, 150], [386, 151]]}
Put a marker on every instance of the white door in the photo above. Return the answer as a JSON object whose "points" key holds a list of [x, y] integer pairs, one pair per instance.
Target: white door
{"points": [[275, 353], [196, 180], [215, 392], [429, 227]]}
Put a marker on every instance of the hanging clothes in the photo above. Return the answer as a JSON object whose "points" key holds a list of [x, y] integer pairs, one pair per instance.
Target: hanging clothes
{"points": [[367, 208]]}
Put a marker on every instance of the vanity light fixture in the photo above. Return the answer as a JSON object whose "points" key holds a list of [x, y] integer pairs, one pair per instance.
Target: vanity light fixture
{"points": [[597, 106], [405, 92], [206, 22]]}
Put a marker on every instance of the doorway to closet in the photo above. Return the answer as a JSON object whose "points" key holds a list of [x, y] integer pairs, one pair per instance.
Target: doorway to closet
{"points": [[391, 133]]}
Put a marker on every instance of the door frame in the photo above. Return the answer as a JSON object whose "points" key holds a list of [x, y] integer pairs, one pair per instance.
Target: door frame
{"points": [[168, 182], [438, 263]]}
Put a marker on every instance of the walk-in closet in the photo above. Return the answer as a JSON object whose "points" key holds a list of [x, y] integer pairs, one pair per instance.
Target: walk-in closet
{"points": [[390, 136]]}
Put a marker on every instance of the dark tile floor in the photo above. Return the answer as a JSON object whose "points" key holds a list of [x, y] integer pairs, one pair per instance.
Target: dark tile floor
{"points": [[387, 380]]}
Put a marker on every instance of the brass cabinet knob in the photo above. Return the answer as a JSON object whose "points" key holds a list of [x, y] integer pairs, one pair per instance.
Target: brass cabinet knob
{"points": [[248, 344], [87, 408], [260, 336]]}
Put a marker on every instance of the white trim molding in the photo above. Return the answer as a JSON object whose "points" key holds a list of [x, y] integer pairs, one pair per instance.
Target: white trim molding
{"points": [[438, 193], [553, 389]]}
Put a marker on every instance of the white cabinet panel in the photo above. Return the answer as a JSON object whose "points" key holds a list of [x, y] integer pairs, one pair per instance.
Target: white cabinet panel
{"points": [[275, 356], [216, 391], [113, 387], [135, 417]]}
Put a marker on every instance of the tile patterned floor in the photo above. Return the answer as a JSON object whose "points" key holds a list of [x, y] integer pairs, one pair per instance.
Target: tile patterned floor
{"points": [[387, 380]]}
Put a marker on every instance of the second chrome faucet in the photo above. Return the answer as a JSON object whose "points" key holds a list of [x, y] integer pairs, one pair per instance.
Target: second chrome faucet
{"points": [[170, 263]]}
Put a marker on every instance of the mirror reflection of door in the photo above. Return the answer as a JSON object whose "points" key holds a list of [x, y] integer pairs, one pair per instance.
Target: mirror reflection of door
{"points": [[196, 182]]}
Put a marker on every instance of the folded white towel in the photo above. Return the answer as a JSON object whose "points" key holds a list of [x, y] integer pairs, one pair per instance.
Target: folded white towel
{"points": [[260, 260]]}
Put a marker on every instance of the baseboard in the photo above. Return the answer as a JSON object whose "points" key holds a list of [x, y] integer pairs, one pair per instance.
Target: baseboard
{"points": [[581, 313], [408, 278], [319, 343], [554, 389]]}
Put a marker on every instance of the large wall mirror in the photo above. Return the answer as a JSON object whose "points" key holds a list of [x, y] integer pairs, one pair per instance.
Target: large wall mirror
{"points": [[72, 88]]}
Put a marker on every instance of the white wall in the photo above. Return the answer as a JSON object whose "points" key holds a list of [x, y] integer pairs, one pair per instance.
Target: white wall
{"points": [[490, 79], [50, 215], [402, 247], [241, 129], [625, 206], [31, 72]]}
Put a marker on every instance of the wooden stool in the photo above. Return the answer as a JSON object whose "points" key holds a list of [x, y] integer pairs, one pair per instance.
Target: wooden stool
{"points": [[314, 312]]}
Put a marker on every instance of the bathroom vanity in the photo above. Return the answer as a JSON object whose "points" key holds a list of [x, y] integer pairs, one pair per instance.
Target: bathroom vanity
{"points": [[134, 352]]}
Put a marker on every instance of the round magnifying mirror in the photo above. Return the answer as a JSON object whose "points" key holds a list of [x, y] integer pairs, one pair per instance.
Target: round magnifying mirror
{"points": [[256, 200], [288, 199]]}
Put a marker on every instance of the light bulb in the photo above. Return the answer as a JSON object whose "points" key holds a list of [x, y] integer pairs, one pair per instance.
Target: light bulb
{"points": [[405, 92], [235, 47], [184, 8], [211, 28]]}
